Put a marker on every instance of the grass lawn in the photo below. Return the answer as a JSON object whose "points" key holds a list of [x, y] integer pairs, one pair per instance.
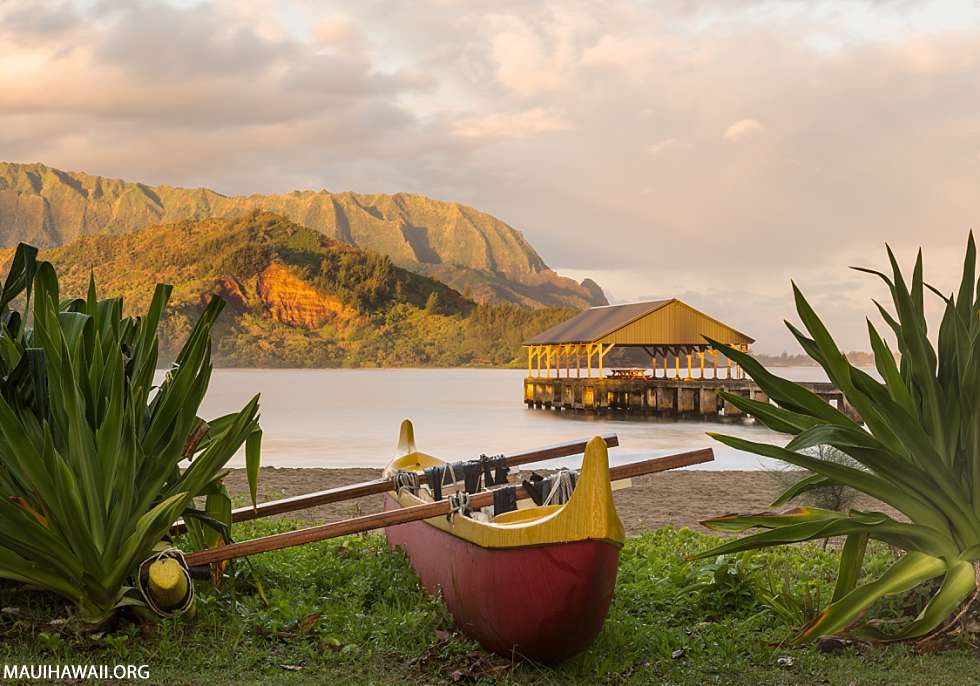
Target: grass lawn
{"points": [[351, 611]]}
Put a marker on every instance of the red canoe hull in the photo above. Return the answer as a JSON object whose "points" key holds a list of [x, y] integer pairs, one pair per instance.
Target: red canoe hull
{"points": [[545, 603]]}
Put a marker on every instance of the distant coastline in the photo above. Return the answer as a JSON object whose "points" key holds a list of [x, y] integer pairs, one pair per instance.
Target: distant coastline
{"points": [[857, 358]]}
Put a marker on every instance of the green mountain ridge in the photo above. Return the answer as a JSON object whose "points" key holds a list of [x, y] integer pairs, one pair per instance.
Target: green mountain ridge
{"points": [[469, 250], [295, 297]]}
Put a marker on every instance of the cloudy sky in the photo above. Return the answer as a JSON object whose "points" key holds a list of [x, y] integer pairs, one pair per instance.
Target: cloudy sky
{"points": [[708, 150]]}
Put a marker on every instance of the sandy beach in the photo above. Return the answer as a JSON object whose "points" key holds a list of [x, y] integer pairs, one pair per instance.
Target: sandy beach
{"points": [[680, 498]]}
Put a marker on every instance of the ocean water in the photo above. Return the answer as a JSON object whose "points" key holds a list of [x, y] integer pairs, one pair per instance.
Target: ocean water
{"points": [[350, 418]]}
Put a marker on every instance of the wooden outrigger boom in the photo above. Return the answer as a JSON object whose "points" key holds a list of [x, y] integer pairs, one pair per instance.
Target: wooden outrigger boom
{"points": [[383, 485], [428, 510]]}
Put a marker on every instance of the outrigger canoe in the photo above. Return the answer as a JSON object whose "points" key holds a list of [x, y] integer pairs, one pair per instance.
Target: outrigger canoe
{"points": [[534, 582]]}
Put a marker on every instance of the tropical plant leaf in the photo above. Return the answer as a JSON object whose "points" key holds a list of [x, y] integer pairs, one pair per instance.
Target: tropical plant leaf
{"points": [[907, 573], [918, 451], [90, 479]]}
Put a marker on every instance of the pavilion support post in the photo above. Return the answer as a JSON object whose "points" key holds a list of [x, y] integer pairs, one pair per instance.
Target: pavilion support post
{"points": [[688, 377], [714, 362], [578, 360], [529, 353], [677, 364], [603, 351], [665, 364], [701, 361], [729, 367], [588, 360]]}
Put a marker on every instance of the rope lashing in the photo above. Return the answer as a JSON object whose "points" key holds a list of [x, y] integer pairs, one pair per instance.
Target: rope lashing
{"points": [[406, 480], [551, 490], [451, 471], [459, 503], [144, 584], [562, 485]]}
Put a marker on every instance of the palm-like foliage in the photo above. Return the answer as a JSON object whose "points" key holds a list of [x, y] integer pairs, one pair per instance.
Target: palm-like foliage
{"points": [[919, 451], [89, 476]]}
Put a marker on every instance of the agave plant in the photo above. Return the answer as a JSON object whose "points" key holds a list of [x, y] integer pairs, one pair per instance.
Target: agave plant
{"points": [[90, 480], [918, 450]]}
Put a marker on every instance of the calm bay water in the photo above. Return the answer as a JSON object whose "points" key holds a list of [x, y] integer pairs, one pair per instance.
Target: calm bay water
{"points": [[350, 418]]}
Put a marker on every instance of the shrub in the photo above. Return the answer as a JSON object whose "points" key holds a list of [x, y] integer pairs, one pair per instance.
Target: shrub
{"points": [[89, 453], [918, 448]]}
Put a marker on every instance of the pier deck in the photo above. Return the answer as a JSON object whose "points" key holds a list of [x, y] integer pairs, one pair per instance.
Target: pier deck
{"points": [[666, 397]]}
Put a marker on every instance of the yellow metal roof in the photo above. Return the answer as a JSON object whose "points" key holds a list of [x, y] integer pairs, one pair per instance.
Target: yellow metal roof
{"points": [[656, 323]]}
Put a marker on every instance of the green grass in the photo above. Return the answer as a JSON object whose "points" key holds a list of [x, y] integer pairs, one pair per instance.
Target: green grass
{"points": [[350, 611]]}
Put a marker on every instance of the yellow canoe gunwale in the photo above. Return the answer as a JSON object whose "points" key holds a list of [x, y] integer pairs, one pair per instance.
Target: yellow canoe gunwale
{"points": [[588, 515]]}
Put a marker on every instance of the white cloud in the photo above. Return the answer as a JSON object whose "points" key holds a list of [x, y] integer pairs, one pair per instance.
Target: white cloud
{"points": [[742, 130], [605, 131], [536, 54]]}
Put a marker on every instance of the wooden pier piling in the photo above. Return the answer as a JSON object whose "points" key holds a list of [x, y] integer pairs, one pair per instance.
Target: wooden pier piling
{"points": [[657, 396]]}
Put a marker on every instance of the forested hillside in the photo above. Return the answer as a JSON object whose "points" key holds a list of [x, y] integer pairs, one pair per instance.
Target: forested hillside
{"points": [[296, 297]]}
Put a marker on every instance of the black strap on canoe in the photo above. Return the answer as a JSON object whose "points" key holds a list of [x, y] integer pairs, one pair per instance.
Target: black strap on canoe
{"points": [[540, 487], [495, 470], [504, 500], [455, 471], [472, 471], [501, 470], [486, 464], [434, 476], [492, 470], [537, 487]]}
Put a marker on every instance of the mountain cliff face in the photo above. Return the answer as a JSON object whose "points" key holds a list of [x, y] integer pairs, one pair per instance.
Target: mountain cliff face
{"points": [[467, 249], [596, 294], [295, 297]]}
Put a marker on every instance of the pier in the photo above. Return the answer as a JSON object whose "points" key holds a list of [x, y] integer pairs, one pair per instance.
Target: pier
{"points": [[570, 366], [658, 397]]}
